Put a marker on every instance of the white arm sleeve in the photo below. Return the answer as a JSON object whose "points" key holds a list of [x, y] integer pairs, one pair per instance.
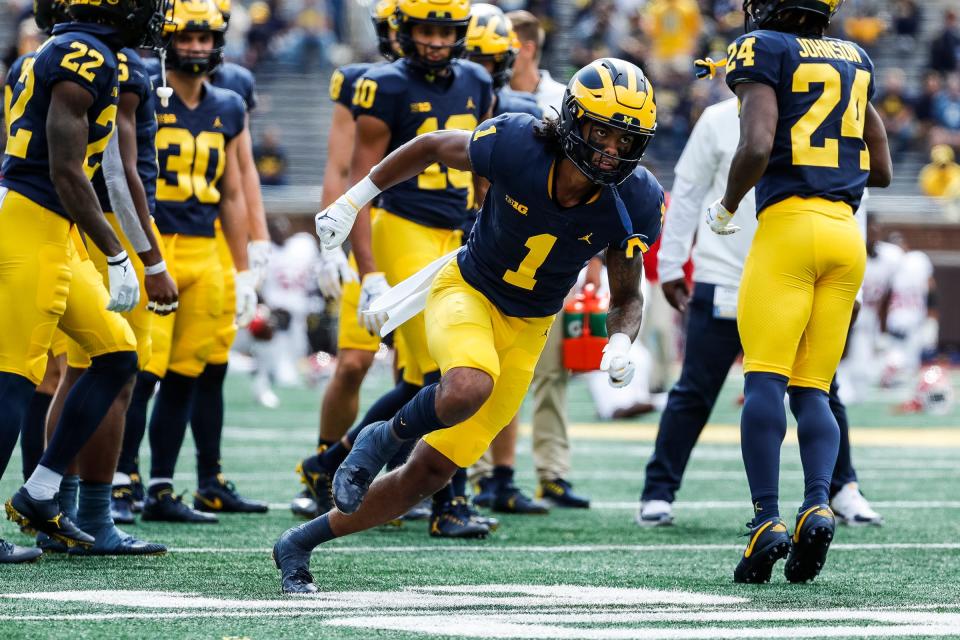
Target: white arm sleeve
{"points": [[121, 201], [695, 173]]}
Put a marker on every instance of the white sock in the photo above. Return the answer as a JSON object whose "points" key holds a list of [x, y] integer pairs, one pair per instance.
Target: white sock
{"points": [[155, 481], [43, 483], [120, 478]]}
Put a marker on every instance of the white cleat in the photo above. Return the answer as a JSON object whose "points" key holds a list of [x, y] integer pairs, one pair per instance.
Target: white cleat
{"points": [[655, 513], [852, 509]]}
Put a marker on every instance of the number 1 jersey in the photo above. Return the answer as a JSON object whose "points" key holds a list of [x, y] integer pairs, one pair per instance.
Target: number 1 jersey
{"points": [[823, 87]]}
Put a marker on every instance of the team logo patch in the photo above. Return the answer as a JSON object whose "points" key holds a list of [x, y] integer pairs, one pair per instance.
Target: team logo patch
{"points": [[521, 208], [420, 107]]}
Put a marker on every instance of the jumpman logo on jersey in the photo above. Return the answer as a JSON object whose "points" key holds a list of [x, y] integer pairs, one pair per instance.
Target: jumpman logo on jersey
{"points": [[586, 238], [217, 124], [470, 103]]}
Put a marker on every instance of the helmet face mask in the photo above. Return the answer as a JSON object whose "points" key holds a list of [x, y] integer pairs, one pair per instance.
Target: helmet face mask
{"points": [[491, 42], [434, 18], [194, 17], [608, 97], [384, 18]]}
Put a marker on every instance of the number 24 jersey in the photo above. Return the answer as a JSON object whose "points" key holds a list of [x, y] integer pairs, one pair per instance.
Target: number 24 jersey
{"points": [[823, 87]]}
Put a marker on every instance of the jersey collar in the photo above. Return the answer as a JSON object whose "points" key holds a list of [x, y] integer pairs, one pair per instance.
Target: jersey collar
{"points": [[107, 34]]}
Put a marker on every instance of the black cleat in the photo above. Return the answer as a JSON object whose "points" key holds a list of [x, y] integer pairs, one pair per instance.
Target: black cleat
{"points": [[484, 491], [559, 493], [452, 520], [769, 542], [48, 545], [139, 492], [371, 451], [14, 554], [304, 506], [163, 506], [319, 484], [121, 504], [121, 544], [510, 499], [294, 565], [811, 541], [220, 496], [45, 516]]}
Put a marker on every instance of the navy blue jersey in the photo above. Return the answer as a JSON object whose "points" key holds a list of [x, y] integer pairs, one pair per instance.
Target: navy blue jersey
{"points": [[410, 105], [526, 251], [191, 152], [76, 53], [510, 101], [236, 78], [134, 78], [343, 82], [823, 88]]}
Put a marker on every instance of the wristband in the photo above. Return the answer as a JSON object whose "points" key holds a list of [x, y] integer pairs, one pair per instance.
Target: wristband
{"points": [[362, 193], [118, 259], [154, 269]]}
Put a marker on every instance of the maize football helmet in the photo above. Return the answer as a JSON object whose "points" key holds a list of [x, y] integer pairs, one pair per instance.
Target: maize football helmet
{"points": [[490, 38], [452, 13], [195, 15]]}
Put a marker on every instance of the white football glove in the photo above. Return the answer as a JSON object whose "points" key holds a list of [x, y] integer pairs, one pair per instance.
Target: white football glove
{"points": [[246, 297], [124, 287], [616, 360], [258, 259], [332, 271], [719, 219], [335, 222], [373, 286]]}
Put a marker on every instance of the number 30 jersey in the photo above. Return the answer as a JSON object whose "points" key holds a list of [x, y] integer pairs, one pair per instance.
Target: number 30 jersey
{"points": [[191, 154], [823, 87], [76, 53], [411, 105]]}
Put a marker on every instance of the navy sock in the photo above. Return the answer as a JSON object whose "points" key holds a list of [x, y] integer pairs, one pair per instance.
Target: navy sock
{"points": [[136, 424], [15, 392], [502, 475], [86, 405], [418, 417], [93, 514], [323, 443], [843, 471], [206, 421], [390, 403], [819, 438], [168, 423], [69, 488], [443, 497], [763, 425], [459, 483], [310, 534], [33, 431]]}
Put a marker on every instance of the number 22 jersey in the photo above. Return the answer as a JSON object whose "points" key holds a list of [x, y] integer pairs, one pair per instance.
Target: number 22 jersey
{"points": [[76, 53], [823, 87]]}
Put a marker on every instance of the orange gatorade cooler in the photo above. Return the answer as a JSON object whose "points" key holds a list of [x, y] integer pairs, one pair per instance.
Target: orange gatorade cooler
{"points": [[584, 331]]}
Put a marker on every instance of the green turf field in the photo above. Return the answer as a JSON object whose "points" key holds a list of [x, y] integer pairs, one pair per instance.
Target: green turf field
{"points": [[590, 574]]}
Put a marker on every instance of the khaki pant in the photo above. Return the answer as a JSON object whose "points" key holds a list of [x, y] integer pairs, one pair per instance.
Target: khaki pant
{"points": [[551, 447]]}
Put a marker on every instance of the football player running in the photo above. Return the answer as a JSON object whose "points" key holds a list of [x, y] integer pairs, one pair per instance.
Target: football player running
{"points": [[200, 132], [61, 119], [420, 219], [810, 141], [490, 308]]}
